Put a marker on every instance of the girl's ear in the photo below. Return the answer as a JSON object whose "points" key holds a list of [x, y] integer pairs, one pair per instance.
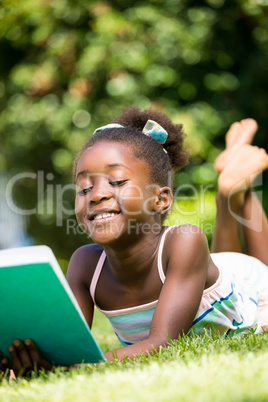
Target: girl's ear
{"points": [[164, 200]]}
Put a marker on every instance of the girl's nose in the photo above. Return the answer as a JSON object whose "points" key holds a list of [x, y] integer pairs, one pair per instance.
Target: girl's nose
{"points": [[99, 192]]}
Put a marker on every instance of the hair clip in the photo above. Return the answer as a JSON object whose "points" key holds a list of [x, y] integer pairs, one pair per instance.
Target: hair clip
{"points": [[151, 129], [112, 125]]}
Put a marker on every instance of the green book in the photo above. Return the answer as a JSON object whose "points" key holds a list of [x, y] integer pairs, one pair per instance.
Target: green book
{"points": [[36, 302]]}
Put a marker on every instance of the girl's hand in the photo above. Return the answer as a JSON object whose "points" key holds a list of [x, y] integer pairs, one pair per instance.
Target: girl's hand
{"points": [[26, 357]]}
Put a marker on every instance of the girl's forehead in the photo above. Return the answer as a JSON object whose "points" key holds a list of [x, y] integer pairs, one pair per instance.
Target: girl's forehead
{"points": [[106, 154]]}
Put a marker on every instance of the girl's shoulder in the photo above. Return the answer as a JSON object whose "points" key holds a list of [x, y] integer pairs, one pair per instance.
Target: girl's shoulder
{"points": [[83, 263], [185, 235], [185, 243]]}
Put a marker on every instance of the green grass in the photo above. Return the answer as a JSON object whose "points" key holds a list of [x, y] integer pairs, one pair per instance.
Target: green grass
{"points": [[205, 368]]}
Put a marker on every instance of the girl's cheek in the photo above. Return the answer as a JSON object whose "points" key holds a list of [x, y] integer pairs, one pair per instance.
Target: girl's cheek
{"points": [[132, 193], [79, 206]]}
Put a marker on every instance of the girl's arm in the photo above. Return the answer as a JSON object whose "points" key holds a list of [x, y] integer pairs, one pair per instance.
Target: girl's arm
{"points": [[187, 259], [79, 277], [186, 256]]}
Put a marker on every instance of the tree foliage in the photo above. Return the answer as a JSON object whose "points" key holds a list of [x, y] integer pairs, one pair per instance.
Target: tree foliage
{"points": [[68, 67]]}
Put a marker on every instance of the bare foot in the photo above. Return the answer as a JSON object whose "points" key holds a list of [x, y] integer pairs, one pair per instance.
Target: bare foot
{"points": [[239, 134], [246, 164]]}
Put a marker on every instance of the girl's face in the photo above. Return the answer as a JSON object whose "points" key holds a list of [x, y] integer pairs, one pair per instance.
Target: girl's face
{"points": [[114, 195]]}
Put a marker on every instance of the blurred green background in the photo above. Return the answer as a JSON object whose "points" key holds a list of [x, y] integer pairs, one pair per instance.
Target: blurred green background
{"points": [[68, 67]]}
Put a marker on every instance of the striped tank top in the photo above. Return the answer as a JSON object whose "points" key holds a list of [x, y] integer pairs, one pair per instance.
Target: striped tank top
{"points": [[230, 305]]}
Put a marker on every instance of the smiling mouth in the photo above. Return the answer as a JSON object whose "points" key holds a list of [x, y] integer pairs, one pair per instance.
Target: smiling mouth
{"points": [[103, 216]]}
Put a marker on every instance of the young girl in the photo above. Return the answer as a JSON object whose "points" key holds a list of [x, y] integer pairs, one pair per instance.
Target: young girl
{"points": [[153, 282]]}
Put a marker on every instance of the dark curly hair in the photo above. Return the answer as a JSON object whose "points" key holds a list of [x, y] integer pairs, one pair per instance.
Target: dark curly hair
{"points": [[161, 164]]}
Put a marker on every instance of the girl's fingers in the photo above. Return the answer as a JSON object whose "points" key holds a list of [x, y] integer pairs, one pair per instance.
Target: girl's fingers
{"points": [[26, 357], [36, 356], [20, 357], [16, 363]]}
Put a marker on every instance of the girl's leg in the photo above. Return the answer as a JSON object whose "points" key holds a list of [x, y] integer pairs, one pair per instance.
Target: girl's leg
{"points": [[234, 202], [226, 234], [255, 235]]}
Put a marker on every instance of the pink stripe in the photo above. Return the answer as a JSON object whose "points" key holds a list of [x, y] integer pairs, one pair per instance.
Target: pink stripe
{"points": [[112, 313]]}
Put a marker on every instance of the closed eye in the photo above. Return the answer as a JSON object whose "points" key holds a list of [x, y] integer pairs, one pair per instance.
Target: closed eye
{"points": [[117, 183], [84, 191]]}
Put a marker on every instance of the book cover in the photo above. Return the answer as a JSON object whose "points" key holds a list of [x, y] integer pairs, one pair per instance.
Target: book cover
{"points": [[36, 302]]}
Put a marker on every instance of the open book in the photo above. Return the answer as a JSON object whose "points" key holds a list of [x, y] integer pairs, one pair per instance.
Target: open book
{"points": [[36, 302]]}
